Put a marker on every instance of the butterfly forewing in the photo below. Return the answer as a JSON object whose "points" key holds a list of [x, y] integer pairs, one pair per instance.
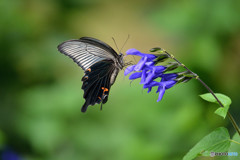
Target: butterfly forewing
{"points": [[84, 54], [99, 62]]}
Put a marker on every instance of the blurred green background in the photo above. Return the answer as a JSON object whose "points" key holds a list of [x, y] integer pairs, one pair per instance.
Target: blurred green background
{"points": [[40, 89]]}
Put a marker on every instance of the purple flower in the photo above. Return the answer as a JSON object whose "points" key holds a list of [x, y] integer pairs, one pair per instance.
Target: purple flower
{"points": [[135, 52], [166, 82], [146, 60], [155, 72], [135, 75], [148, 72], [8, 154]]}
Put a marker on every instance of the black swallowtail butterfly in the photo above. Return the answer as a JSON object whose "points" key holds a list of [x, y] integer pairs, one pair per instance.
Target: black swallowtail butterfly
{"points": [[100, 63]]}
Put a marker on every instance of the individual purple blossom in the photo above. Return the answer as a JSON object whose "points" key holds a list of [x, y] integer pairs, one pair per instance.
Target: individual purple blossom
{"points": [[148, 74], [155, 72], [143, 62], [166, 82]]}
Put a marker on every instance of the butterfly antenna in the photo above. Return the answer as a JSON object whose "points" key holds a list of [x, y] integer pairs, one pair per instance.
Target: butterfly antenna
{"points": [[125, 42], [116, 44]]}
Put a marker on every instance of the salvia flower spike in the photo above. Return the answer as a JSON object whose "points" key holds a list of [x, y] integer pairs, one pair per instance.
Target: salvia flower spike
{"points": [[148, 70]]}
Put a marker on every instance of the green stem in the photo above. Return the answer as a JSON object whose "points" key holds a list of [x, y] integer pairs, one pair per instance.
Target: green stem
{"points": [[209, 89], [220, 103], [234, 141]]}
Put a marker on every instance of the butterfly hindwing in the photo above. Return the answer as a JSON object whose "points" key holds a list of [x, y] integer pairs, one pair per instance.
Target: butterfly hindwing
{"points": [[97, 83]]}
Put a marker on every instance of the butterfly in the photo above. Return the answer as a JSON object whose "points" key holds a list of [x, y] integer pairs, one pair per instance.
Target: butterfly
{"points": [[101, 64]]}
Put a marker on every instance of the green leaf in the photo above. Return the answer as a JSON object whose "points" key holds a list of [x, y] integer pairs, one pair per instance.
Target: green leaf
{"points": [[235, 146], [222, 111], [216, 141], [225, 100]]}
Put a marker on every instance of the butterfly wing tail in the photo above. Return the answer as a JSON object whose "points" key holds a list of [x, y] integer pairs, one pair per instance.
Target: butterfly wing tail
{"points": [[84, 107]]}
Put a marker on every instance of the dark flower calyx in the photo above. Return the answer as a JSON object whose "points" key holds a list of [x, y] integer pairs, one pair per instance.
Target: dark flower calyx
{"points": [[183, 79], [160, 58], [171, 66], [186, 74], [155, 49]]}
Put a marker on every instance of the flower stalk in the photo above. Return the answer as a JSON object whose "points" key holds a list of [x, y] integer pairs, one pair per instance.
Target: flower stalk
{"points": [[204, 84]]}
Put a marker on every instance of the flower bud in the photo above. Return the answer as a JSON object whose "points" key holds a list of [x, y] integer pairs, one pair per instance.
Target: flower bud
{"points": [[155, 49]]}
